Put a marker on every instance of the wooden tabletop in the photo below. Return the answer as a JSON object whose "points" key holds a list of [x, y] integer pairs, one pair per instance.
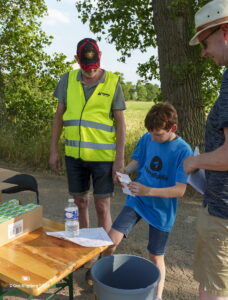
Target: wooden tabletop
{"points": [[36, 261]]}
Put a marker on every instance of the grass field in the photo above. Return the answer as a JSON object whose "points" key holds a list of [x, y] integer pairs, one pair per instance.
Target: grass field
{"points": [[134, 118], [35, 151]]}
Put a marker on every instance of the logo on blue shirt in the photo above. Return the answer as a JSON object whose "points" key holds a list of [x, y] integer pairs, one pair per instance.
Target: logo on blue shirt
{"points": [[156, 163]]}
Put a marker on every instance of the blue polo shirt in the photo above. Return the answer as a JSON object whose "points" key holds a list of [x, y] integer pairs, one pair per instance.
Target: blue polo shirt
{"points": [[216, 194]]}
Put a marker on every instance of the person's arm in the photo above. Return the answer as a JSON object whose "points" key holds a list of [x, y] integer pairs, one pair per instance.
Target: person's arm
{"points": [[216, 160], [175, 191], [54, 160], [131, 167], [120, 141]]}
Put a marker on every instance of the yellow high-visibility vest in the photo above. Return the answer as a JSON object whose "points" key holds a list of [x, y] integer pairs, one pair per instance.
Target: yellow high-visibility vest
{"points": [[90, 133]]}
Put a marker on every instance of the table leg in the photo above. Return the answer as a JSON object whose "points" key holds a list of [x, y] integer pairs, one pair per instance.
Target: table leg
{"points": [[12, 292], [1, 292], [71, 286]]}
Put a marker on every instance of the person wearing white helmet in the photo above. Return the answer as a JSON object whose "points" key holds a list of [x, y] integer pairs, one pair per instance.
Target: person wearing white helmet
{"points": [[211, 255]]}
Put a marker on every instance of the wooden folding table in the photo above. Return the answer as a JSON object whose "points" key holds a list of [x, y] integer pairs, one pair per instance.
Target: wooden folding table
{"points": [[35, 262]]}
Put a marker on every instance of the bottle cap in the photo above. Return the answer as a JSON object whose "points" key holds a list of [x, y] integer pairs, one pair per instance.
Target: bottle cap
{"points": [[71, 200]]}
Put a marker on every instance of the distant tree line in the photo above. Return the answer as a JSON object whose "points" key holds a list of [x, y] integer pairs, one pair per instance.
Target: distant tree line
{"points": [[141, 91]]}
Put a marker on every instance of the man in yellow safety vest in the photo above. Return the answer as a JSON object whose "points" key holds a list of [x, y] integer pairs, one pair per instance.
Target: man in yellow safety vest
{"points": [[90, 108]]}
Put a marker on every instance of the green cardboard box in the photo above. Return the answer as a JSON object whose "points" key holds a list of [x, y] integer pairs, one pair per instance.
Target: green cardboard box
{"points": [[17, 220]]}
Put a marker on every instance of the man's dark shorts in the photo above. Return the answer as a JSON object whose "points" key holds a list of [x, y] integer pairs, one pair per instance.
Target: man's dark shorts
{"points": [[80, 172], [127, 219]]}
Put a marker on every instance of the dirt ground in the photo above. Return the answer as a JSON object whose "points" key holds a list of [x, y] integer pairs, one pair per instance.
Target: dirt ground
{"points": [[179, 280]]}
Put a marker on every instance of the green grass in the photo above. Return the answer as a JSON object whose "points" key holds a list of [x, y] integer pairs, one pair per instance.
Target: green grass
{"points": [[134, 118], [34, 152]]}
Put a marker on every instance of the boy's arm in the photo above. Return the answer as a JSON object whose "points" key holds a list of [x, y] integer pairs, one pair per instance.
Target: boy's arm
{"points": [[131, 167], [175, 191]]}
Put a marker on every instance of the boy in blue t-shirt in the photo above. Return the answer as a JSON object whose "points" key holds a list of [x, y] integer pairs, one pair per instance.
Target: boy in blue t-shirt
{"points": [[158, 158]]}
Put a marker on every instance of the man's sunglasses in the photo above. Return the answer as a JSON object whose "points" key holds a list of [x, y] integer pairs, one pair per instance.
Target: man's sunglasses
{"points": [[203, 43]]}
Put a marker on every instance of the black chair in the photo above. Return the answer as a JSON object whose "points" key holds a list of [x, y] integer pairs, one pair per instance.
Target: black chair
{"points": [[24, 182]]}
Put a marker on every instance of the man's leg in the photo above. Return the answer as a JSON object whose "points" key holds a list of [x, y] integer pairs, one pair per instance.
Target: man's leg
{"points": [[159, 261], [104, 219], [78, 176], [123, 224], [204, 295], [103, 188], [211, 256], [82, 202]]}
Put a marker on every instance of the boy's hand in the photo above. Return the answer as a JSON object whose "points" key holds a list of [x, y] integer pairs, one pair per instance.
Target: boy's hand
{"points": [[138, 189]]}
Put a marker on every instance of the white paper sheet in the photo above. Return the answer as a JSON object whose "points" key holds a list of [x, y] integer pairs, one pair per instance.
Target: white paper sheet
{"points": [[88, 237], [197, 179], [124, 180]]}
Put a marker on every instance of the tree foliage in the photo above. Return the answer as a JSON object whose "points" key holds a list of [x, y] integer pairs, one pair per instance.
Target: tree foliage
{"points": [[28, 74], [126, 24], [168, 25], [129, 25]]}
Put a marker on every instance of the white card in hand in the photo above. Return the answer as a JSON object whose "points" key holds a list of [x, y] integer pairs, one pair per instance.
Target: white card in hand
{"points": [[124, 180], [197, 179]]}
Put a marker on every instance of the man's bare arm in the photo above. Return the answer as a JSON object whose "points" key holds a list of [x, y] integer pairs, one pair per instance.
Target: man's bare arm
{"points": [[216, 160], [120, 140], [54, 160]]}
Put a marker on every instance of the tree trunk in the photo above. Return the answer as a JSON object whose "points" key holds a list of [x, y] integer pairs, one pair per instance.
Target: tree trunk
{"points": [[180, 81]]}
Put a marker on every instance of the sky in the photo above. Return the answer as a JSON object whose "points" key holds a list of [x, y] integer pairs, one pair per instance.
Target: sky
{"points": [[67, 29]]}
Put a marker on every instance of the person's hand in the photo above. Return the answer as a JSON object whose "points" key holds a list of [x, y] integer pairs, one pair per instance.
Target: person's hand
{"points": [[189, 165], [118, 166], [138, 189], [54, 161]]}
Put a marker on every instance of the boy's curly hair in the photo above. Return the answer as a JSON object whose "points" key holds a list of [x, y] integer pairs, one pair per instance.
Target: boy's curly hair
{"points": [[161, 116]]}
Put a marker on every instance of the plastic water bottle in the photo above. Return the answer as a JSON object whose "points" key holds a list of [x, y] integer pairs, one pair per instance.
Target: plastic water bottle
{"points": [[71, 219]]}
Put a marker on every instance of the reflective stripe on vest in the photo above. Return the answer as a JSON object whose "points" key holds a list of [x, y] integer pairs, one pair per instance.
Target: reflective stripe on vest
{"points": [[90, 134], [89, 124], [90, 145]]}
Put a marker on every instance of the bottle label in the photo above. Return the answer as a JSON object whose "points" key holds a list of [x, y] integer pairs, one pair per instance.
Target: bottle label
{"points": [[70, 215]]}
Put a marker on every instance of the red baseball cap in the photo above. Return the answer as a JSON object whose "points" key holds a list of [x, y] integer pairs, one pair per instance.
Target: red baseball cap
{"points": [[88, 54]]}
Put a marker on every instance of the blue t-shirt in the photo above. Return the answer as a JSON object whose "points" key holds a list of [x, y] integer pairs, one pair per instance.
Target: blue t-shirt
{"points": [[160, 166]]}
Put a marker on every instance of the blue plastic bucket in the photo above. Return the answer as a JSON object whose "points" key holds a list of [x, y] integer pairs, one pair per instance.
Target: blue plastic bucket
{"points": [[125, 277]]}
